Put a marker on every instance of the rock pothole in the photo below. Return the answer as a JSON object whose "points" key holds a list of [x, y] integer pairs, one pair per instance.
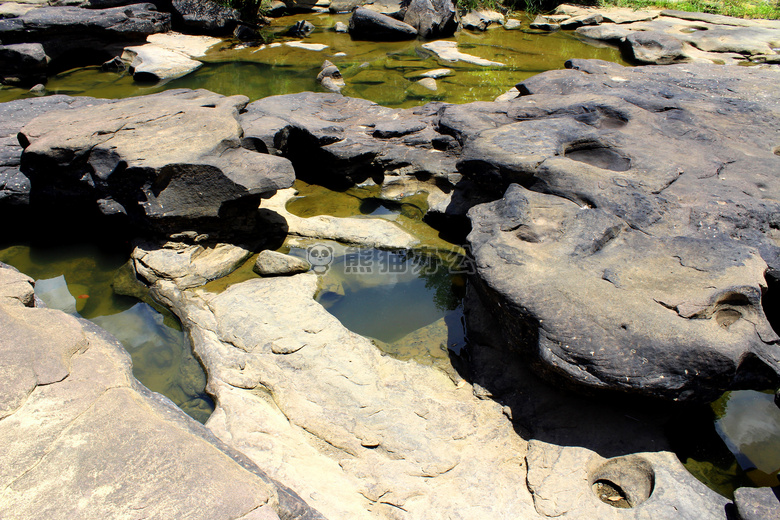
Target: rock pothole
{"points": [[599, 156], [623, 482]]}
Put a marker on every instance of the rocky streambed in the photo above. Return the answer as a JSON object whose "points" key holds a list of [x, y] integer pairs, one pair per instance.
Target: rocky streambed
{"points": [[622, 236]]}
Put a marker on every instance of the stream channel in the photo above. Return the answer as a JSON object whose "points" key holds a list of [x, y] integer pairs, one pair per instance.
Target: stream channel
{"points": [[409, 303]]}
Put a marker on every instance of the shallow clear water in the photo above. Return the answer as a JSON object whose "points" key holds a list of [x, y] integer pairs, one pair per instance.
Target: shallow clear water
{"points": [[384, 72], [78, 279]]}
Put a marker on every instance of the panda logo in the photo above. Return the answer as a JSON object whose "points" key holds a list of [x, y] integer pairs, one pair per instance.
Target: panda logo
{"points": [[320, 256]]}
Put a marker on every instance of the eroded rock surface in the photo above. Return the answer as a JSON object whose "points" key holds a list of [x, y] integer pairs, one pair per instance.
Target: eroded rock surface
{"points": [[14, 185], [631, 251], [68, 28], [362, 435], [83, 439], [171, 161]]}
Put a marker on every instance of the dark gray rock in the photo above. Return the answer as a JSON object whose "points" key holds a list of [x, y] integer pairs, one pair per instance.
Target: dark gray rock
{"points": [[14, 185], [579, 21], [115, 64], [654, 47], [432, 19], [331, 139], [23, 64], [53, 26], [330, 77], [300, 29], [757, 503], [370, 25], [245, 33], [397, 128], [204, 16], [630, 255], [171, 161]]}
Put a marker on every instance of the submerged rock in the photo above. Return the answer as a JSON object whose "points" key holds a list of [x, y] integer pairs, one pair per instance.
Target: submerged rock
{"points": [[170, 161], [330, 77]]}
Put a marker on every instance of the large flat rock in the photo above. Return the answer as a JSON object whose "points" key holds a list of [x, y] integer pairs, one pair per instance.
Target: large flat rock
{"points": [[170, 161], [66, 28], [362, 435], [83, 439], [630, 249]]}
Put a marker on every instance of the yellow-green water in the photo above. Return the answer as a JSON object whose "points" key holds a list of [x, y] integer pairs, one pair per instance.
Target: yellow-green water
{"points": [[78, 278], [383, 72]]}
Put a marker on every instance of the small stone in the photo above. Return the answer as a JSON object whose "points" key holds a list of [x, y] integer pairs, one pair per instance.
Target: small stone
{"points": [[512, 24], [273, 263], [341, 27], [38, 90], [300, 28], [115, 64], [429, 83]]}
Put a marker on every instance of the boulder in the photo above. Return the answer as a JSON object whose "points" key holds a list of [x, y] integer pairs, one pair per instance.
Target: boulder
{"points": [[151, 63], [204, 17], [676, 262], [547, 23], [273, 263], [14, 185], [344, 6], [480, 20], [432, 19], [330, 139], [757, 503], [187, 265], [63, 29], [330, 77], [23, 64], [654, 47], [579, 21], [171, 161], [86, 440], [300, 29], [366, 24]]}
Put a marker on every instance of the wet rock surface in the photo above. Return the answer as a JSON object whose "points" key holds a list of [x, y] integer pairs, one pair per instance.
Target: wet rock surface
{"points": [[77, 424], [656, 255]]}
